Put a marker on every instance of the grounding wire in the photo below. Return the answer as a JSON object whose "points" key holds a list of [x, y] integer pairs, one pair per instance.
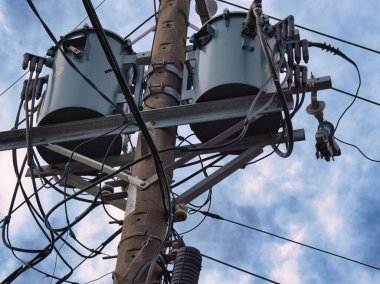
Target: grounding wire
{"points": [[218, 217], [240, 269], [311, 30]]}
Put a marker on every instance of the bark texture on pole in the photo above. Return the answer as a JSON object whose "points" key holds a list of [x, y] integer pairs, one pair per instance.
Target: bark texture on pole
{"points": [[145, 228]]}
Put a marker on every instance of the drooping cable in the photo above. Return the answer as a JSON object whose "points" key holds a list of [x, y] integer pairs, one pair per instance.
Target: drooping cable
{"points": [[357, 148], [338, 52]]}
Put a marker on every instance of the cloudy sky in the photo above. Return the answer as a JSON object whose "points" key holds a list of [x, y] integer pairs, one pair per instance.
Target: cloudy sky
{"points": [[333, 206]]}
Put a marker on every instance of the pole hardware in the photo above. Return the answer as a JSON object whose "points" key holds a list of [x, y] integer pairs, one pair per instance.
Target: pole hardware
{"points": [[165, 65], [161, 88], [96, 165], [326, 146]]}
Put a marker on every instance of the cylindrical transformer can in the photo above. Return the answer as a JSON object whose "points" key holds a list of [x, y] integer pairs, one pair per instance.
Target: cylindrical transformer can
{"points": [[69, 97], [228, 64]]}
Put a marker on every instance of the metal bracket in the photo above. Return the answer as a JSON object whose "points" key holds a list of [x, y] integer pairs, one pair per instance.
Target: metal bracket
{"points": [[79, 182], [155, 89], [96, 165], [167, 66], [220, 174]]}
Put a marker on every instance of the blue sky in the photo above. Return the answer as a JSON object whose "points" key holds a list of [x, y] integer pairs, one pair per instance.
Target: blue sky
{"points": [[333, 206]]}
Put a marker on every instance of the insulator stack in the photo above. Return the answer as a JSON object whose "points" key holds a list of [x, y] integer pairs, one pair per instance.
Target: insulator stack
{"points": [[187, 266]]}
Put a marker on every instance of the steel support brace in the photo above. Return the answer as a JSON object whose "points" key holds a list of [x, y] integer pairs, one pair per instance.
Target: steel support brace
{"points": [[239, 162], [220, 174], [78, 182], [96, 165], [164, 117]]}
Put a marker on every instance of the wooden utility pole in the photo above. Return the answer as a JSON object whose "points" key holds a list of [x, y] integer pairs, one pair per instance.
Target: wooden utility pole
{"points": [[145, 221]]}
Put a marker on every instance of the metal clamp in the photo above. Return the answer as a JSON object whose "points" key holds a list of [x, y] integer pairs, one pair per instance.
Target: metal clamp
{"points": [[167, 66], [155, 89]]}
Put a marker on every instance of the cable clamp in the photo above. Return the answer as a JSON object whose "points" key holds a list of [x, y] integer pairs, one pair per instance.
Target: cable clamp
{"points": [[163, 65], [161, 88], [7, 220]]}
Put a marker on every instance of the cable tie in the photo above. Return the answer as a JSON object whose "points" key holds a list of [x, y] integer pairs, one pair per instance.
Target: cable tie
{"points": [[212, 215], [183, 148], [68, 166], [6, 220], [31, 164], [71, 234]]}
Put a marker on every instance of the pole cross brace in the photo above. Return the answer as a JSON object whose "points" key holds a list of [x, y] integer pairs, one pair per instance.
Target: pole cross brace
{"points": [[96, 165]]}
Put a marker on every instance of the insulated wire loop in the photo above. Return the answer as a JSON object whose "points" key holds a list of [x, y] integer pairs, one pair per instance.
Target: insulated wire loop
{"points": [[288, 127]]}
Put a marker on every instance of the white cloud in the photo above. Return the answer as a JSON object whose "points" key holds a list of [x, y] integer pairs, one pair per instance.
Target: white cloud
{"points": [[286, 258], [328, 215]]}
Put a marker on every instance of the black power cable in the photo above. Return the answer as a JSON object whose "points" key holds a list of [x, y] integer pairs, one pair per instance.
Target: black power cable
{"points": [[72, 65], [288, 127], [240, 269], [310, 30], [129, 98], [218, 217], [336, 51], [139, 26], [162, 178], [357, 148], [356, 96]]}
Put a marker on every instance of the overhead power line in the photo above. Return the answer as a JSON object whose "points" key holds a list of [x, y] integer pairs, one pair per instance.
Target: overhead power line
{"points": [[85, 18], [312, 30], [358, 97], [14, 83], [240, 269], [218, 217]]}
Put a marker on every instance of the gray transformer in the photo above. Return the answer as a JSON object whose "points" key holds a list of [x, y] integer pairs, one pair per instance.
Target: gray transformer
{"points": [[69, 97], [229, 64]]}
